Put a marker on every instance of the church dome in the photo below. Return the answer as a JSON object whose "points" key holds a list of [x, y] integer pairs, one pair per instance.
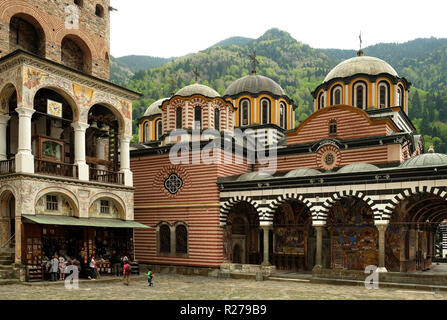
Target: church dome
{"points": [[256, 175], [426, 160], [360, 65], [197, 88], [254, 84], [358, 167], [303, 172], [155, 108]]}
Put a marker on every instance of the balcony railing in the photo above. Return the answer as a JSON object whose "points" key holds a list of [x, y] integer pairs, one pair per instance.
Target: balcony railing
{"points": [[55, 168], [7, 166], [106, 176]]}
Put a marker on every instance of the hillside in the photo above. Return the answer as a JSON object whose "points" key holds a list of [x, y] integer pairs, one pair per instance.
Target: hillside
{"points": [[299, 69]]}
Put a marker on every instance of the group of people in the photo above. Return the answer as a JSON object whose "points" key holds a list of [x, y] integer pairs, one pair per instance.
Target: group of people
{"points": [[59, 266]]}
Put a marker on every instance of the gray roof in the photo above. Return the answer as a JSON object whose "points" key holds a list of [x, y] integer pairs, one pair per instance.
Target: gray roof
{"points": [[358, 167], [197, 88], [362, 64], [303, 172], [155, 108], [257, 175], [426, 160], [254, 84]]}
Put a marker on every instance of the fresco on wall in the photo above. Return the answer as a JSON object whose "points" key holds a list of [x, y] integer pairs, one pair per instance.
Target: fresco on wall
{"points": [[354, 238], [84, 96], [111, 212]]}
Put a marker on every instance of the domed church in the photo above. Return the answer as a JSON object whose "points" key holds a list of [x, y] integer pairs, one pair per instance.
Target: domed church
{"points": [[350, 186]]}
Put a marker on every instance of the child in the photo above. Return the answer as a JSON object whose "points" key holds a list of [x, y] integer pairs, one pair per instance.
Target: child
{"points": [[150, 276], [127, 270], [62, 266]]}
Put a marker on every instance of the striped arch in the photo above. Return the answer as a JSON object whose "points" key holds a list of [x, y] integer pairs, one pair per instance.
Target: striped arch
{"points": [[327, 205], [275, 204], [388, 211], [225, 208]]}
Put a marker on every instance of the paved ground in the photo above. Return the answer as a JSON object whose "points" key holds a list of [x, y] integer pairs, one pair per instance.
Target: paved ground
{"points": [[177, 287]]}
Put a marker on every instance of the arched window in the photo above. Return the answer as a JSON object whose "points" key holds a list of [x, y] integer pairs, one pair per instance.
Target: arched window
{"points": [[76, 54], [360, 95], [158, 129], [198, 118], [99, 11], [217, 119], [178, 118], [245, 112], [336, 95], [283, 115], [146, 132], [384, 93], [333, 127], [265, 111], [321, 101], [400, 96], [181, 239], [165, 239], [26, 33]]}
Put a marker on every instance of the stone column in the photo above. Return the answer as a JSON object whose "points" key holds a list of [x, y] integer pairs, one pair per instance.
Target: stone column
{"points": [[79, 137], [266, 232], [125, 160], [18, 240], [381, 226], [24, 157], [319, 251], [4, 118]]}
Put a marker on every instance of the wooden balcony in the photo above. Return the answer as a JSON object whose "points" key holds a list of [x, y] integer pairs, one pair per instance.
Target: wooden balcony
{"points": [[56, 168], [106, 176], [7, 166]]}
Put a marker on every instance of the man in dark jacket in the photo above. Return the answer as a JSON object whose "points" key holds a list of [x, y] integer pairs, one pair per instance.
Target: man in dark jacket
{"points": [[116, 263]]}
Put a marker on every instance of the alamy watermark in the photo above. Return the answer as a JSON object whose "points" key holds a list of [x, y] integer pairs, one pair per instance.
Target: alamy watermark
{"points": [[372, 280], [72, 279], [242, 145]]}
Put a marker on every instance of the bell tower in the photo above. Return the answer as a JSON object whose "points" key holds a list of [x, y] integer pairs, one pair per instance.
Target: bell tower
{"points": [[75, 33]]}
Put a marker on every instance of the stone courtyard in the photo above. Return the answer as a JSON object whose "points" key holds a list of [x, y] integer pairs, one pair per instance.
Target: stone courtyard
{"points": [[179, 287]]}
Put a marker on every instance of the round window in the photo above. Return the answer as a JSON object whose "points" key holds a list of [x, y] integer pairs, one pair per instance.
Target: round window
{"points": [[173, 183]]}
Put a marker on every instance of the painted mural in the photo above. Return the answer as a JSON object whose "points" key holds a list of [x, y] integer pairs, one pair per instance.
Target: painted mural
{"points": [[291, 228], [354, 238]]}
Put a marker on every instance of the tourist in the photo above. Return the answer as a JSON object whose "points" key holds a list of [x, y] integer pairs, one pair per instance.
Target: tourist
{"points": [[68, 267], [62, 266], [116, 263], [150, 277], [54, 267], [76, 263], [127, 270], [92, 266]]}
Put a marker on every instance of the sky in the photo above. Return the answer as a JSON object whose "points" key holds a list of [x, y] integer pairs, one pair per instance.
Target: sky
{"points": [[172, 28]]}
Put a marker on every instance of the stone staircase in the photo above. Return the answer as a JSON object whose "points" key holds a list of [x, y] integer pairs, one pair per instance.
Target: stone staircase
{"points": [[6, 266]]}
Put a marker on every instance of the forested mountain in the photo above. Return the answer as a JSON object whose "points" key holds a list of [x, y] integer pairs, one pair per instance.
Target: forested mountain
{"points": [[299, 69]]}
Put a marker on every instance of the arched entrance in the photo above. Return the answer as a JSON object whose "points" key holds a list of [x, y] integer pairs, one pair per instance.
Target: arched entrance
{"points": [[242, 235], [411, 233], [354, 237], [7, 222], [294, 242]]}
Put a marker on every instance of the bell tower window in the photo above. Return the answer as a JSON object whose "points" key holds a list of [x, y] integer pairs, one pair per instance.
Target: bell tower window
{"points": [[245, 110], [265, 113], [178, 118], [198, 118], [360, 95]]}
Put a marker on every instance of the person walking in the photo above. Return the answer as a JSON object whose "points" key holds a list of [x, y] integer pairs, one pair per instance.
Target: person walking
{"points": [[54, 267], [127, 270], [116, 263], [92, 266], [150, 277]]}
